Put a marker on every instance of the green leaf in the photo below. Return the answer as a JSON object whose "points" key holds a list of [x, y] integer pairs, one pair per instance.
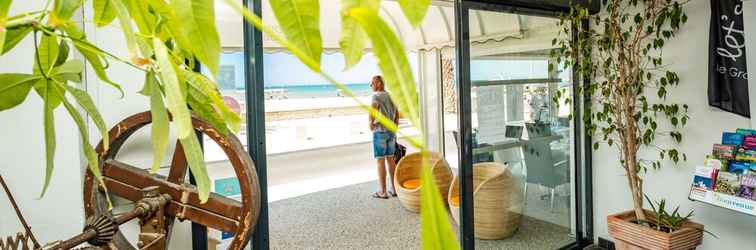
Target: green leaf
{"points": [[67, 77], [89, 153], [63, 10], [63, 51], [392, 60], [73, 66], [143, 18], [258, 23], [435, 230], [68, 71], [202, 107], [211, 97], [198, 19], [86, 103], [300, 22], [174, 91], [174, 24], [128, 32], [104, 13], [4, 7], [46, 56], [160, 122], [49, 126], [14, 36], [352, 41], [42, 87], [194, 156], [92, 54], [14, 88], [414, 10]]}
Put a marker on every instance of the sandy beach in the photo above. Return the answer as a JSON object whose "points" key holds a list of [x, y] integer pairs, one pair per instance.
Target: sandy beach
{"points": [[312, 103], [293, 109], [313, 113], [294, 125], [304, 108]]}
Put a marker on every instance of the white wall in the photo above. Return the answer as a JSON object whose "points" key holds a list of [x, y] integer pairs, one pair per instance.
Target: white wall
{"points": [[688, 53], [59, 213], [749, 20]]}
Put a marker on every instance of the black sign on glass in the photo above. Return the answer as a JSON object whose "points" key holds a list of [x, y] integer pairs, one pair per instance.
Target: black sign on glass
{"points": [[728, 79]]}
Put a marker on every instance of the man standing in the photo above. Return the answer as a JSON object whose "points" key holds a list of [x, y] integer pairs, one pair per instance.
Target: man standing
{"points": [[384, 140]]}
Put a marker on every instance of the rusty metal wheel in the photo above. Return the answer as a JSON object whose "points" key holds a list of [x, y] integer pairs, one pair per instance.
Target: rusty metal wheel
{"points": [[126, 181]]}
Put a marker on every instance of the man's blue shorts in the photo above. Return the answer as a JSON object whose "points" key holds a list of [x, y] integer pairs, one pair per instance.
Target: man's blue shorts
{"points": [[384, 144]]}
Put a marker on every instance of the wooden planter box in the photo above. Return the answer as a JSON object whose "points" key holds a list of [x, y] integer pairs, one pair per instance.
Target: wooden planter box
{"points": [[632, 236]]}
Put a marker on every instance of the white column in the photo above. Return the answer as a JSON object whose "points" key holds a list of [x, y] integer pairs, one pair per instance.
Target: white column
{"points": [[429, 79]]}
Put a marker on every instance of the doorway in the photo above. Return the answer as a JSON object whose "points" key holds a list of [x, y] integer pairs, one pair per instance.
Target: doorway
{"points": [[505, 68], [515, 119]]}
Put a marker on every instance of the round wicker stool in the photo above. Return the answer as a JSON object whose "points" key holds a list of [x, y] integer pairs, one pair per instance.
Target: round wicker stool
{"points": [[498, 201], [407, 178]]}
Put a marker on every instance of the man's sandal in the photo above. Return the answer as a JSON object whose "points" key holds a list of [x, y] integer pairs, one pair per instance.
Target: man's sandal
{"points": [[378, 196]]}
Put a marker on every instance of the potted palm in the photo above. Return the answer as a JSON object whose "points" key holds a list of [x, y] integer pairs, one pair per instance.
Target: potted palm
{"points": [[620, 52]]}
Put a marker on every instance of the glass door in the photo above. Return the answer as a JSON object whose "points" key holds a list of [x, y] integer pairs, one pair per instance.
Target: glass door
{"points": [[518, 143]]}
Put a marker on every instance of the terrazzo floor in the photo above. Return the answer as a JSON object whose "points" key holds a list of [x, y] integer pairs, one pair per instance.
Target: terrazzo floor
{"points": [[348, 218]]}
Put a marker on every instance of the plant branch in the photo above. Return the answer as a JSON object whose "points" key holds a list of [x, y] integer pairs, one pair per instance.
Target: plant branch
{"points": [[94, 49]]}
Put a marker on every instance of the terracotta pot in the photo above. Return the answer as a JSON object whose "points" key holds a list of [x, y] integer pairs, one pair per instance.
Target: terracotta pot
{"points": [[631, 236]]}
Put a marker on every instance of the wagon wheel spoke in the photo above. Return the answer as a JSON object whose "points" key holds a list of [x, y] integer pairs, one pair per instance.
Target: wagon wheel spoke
{"points": [[176, 175], [178, 165], [218, 212]]}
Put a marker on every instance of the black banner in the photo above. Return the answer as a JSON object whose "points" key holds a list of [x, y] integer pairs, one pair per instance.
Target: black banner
{"points": [[728, 79]]}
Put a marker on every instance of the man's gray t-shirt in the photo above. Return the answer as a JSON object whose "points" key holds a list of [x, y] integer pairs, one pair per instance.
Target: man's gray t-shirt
{"points": [[386, 107]]}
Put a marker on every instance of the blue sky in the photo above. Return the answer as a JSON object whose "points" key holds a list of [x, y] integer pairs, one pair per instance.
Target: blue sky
{"points": [[285, 69]]}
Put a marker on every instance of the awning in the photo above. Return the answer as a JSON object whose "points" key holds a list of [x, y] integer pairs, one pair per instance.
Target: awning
{"points": [[488, 30]]}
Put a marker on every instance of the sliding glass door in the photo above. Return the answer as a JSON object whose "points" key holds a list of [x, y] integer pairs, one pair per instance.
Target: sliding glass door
{"points": [[518, 156]]}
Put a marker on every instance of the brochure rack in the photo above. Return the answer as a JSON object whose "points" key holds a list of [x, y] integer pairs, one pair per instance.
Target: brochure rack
{"points": [[731, 202]]}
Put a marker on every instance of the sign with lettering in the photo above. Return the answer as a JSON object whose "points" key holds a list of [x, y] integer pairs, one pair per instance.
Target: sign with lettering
{"points": [[728, 78], [492, 118], [228, 187]]}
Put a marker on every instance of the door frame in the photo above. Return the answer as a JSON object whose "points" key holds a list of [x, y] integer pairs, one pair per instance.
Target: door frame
{"points": [[582, 176], [254, 84]]}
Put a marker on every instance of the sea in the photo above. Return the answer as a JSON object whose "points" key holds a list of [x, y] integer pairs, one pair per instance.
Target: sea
{"points": [[302, 91]]}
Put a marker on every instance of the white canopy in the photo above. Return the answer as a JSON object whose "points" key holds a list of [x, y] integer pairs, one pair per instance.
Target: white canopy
{"points": [[487, 29]]}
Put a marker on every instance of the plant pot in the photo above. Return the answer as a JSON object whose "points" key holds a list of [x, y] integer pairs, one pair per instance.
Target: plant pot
{"points": [[632, 236]]}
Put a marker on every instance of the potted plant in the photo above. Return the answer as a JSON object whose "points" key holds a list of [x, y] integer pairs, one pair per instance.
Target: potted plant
{"points": [[621, 53], [662, 229]]}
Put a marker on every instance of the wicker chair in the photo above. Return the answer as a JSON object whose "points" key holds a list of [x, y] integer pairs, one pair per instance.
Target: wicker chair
{"points": [[407, 178], [498, 201]]}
